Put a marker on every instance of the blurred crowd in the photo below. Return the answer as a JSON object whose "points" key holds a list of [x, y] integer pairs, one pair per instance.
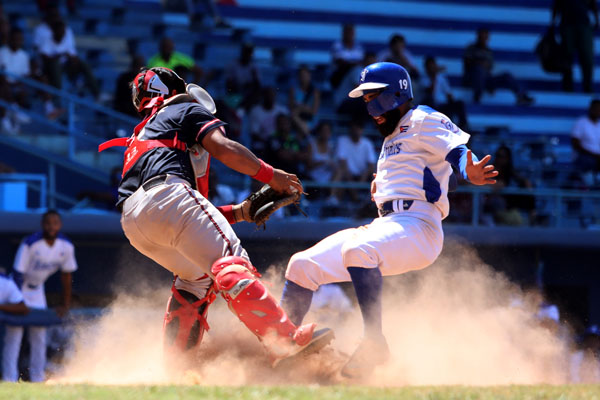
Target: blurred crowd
{"points": [[305, 122]]}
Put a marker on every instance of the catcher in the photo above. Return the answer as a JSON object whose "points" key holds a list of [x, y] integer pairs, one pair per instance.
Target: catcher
{"points": [[165, 214]]}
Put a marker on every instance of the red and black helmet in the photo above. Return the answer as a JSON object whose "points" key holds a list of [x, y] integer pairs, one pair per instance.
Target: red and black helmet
{"points": [[154, 82]]}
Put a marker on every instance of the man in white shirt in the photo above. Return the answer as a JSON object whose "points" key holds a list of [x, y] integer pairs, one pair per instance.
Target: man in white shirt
{"points": [[439, 95], [585, 139], [39, 256], [263, 120], [345, 54], [13, 59], [59, 55], [355, 156]]}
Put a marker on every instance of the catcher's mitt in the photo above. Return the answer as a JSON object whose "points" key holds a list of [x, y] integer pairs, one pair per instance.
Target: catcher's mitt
{"points": [[265, 201]]}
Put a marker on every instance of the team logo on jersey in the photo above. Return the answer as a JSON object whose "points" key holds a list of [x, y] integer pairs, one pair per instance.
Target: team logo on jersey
{"points": [[450, 126], [404, 128], [391, 149]]}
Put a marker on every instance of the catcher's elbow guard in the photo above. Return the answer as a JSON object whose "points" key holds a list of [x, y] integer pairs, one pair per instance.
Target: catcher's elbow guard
{"points": [[248, 298]]}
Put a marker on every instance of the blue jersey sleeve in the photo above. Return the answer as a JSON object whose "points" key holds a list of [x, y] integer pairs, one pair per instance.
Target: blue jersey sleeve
{"points": [[457, 157]]}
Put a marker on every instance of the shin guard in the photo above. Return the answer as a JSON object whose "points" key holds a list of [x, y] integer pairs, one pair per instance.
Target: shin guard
{"points": [[248, 298]]}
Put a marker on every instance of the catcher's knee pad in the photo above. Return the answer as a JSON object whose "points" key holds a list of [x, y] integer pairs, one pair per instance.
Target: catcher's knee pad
{"points": [[247, 297], [185, 320]]}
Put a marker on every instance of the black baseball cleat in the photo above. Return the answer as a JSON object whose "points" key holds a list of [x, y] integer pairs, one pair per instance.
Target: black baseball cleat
{"points": [[369, 354], [320, 339]]}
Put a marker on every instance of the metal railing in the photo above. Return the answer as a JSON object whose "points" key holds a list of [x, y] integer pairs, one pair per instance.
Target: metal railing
{"points": [[553, 201], [92, 133], [52, 196]]}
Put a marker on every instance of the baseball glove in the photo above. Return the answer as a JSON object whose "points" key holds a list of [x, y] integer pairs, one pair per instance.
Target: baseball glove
{"points": [[265, 201]]}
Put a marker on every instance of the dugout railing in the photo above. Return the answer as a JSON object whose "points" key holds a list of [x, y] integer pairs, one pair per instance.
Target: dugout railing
{"points": [[558, 207]]}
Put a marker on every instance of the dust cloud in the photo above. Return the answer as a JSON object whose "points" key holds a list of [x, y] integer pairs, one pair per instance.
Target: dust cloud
{"points": [[455, 322]]}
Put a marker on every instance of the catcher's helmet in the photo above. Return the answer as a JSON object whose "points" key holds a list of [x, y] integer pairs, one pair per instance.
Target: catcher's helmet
{"points": [[392, 82], [154, 82]]}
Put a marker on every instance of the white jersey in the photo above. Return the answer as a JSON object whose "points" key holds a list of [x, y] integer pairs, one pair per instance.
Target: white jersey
{"points": [[412, 164], [37, 260], [9, 292]]}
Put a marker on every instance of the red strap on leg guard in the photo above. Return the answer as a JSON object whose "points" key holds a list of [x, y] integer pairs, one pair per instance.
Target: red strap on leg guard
{"points": [[187, 314]]}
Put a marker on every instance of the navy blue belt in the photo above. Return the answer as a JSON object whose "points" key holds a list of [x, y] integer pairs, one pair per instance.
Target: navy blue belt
{"points": [[154, 181], [388, 207]]}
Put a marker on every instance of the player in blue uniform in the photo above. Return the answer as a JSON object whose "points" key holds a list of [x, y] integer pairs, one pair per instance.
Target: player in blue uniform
{"points": [[410, 189]]}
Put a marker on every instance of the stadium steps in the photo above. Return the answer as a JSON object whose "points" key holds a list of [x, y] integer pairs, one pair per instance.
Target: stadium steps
{"points": [[105, 161]]}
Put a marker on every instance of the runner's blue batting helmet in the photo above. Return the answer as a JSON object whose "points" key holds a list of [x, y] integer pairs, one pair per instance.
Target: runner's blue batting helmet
{"points": [[390, 80]]}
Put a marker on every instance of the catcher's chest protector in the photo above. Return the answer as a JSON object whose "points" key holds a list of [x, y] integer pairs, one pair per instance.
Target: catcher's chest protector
{"points": [[136, 147]]}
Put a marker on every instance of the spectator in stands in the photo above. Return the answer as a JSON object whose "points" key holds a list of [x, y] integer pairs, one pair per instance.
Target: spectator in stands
{"points": [[477, 73], [346, 54], [585, 363], [39, 256], [243, 79], [356, 159], [43, 31], [585, 139], [230, 115], [397, 52], [304, 98], [288, 147], [59, 56], [509, 209], [321, 163], [577, 35], [14, 60], [438, 94], [353, 108], [263, 120], [181, 63], [122, 96]]}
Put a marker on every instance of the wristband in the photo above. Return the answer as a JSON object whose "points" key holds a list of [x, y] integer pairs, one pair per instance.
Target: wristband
{"points": [[265, 172], [227, 212]]}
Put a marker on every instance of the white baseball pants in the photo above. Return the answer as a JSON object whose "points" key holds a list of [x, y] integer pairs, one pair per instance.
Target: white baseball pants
{"points": [[397, 243], [13, 336]]}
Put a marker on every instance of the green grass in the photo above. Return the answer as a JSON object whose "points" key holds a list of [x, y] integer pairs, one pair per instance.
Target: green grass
{"points": [[28, 391]]}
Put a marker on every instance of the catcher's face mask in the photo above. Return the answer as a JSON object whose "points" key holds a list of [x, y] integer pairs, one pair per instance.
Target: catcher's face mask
{"points": [[145, 86]]}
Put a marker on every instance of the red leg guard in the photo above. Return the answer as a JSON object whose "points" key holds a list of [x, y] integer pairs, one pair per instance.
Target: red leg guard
{"points": [[185, 320], [247, 297]]}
